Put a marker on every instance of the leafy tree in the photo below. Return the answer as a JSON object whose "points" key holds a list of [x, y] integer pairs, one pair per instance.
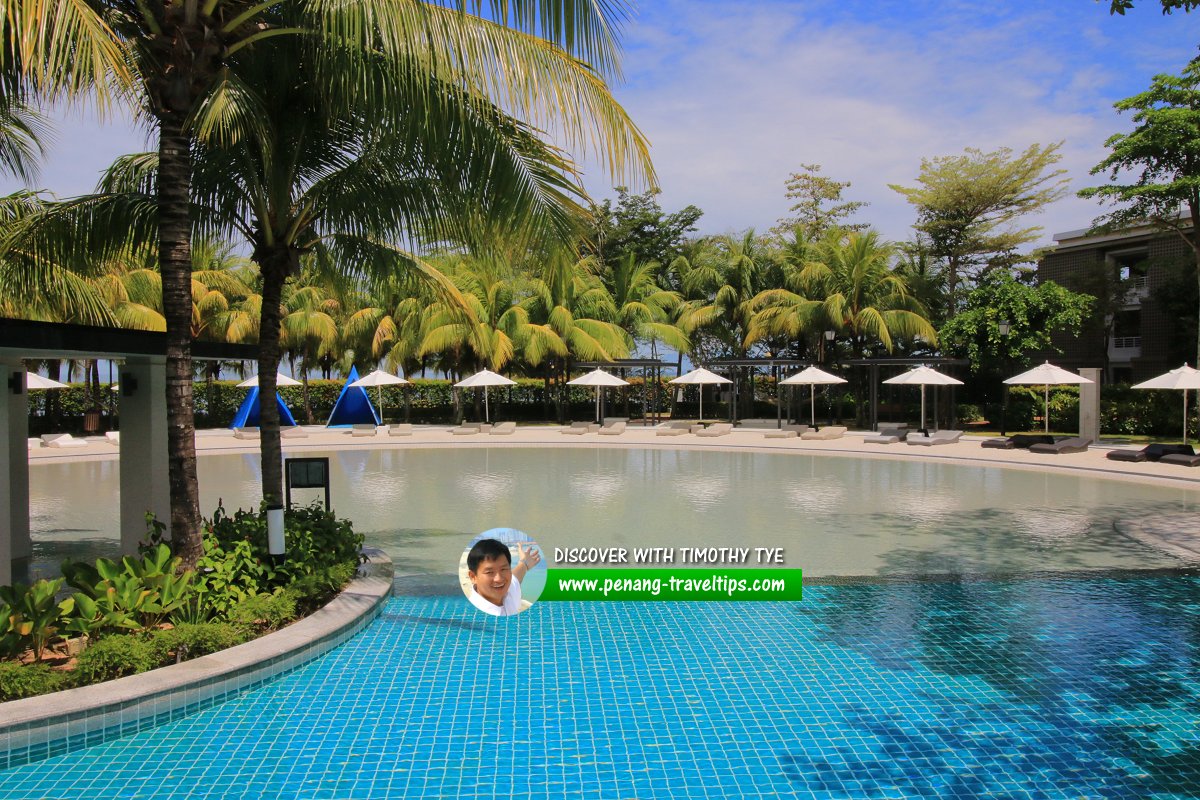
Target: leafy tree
{"points": [[1121, 6], [812, 193], [637, 225], [968, 207], [1163, 152], [643, 308]]}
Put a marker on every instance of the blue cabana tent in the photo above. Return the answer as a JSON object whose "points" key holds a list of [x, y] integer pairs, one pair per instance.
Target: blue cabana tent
{"points": [[248, 412], [353, 406]]}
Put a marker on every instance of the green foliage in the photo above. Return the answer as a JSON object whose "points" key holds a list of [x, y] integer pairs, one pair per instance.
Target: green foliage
{"points": [[146, 589], [316, 588], [266, 612], [34, 613], [28, 680], [636, 225], [1121, 6], [115, 657], [188, 641], [812, 193]]}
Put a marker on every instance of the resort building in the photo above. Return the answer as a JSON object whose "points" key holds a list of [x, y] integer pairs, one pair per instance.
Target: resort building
{"points": [[1132, 335]]}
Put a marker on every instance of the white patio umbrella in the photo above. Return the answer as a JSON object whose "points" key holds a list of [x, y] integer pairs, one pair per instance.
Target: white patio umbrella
{"points": [[35, 381], [1183, 378], [812, 376], [280, 380], [923, 376], [598, 378], [379, 379], [700, 376], [485, 378], [1046, 375]]}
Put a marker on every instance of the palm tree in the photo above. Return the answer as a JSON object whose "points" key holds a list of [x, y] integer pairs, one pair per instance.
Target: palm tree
{"points": [[645, 310], [183, 61], [309, 332]]}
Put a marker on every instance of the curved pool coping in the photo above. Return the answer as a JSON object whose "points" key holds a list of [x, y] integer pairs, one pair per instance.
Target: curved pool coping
{"points": [[35, 728]]}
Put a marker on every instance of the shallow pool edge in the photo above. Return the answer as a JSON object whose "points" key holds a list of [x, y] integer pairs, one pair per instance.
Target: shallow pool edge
{"points": [[36, 728]]}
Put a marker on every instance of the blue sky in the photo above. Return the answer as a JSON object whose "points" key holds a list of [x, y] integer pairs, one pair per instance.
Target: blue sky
{"points": [[734, 96]]}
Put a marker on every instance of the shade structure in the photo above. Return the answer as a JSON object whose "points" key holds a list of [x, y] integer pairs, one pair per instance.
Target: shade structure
{"points": [[484, 378], [1046, 375], [353, 406], [598, 378], [280, 380], [812, 376], [700, 376], [1184, 378], [923, 376], [379, 379], [35, 381]]}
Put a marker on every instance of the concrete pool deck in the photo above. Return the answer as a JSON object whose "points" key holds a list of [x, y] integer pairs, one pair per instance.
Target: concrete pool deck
{"points": [[967, 451]]}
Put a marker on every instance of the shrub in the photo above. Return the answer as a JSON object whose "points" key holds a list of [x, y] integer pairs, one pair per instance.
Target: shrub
{"points": [[27, 680], [315, 589], [189, 641], [266, 612], [115, 657]]}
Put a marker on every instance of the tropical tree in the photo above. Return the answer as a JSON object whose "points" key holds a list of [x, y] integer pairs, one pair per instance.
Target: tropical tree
{"points": [[646, 311], [544, 59]]}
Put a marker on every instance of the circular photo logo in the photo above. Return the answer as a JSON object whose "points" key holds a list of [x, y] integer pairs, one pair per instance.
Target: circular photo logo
{"points": [[502, 572]]}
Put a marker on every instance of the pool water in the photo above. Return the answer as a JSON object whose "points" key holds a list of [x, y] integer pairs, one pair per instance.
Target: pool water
{"points": [[966, 632], [1048, 687]]}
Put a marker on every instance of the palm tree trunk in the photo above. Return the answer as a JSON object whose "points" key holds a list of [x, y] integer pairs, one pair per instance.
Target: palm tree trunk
{"points": [[175, 261], [274, 269]]}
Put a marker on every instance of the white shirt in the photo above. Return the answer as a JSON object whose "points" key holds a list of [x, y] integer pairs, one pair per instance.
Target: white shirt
{"points": [[512, 601]]}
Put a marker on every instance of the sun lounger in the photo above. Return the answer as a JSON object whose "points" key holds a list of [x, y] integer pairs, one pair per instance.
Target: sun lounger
{"points": [[34, 443], [580, 428], [937, 437], [363, 429], [676, 427], [786, 432], [887, 435], [62, 440], [716, 429], [467, 429], [825, 434], [400, 429], [1074, 445], [503, 429], [113, 437], [245, 433], [1151, 452], [1180, 459], [615, 428], [1019, 441], [293, 432]]}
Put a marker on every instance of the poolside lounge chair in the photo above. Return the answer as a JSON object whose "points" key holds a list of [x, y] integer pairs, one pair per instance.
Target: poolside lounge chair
{"points": [[34, 442], [1077, 444], [677, 427], [1019, 441], [825, 434], [1151, 452], [786, 432], [1180, 459], [112, 437], [937, 437], [467, 429], [887, 435], [503, 429], [363, 429], [716, 429], [245, 433], [62, 440], [580, 428], [614, 428], [293, 432], [400, 429]]}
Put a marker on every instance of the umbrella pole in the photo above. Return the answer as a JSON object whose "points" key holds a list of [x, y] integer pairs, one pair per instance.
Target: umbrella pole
{"points": [[487, 417], [1185, 416], [597, 404], [700, 388], [1046, 409], [379, 396], [812, 405], [923, 410]]}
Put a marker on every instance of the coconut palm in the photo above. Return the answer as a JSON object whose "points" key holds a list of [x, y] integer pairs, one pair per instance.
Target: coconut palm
{"points": [[646, 311], [182, 62]]}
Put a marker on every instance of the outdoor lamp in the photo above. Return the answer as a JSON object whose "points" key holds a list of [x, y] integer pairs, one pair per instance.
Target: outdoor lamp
{"points": [[275, 530], [1004, 327], [829, 335]]}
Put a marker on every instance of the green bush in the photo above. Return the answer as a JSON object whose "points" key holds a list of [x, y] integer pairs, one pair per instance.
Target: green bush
{"points": [[27, 680], [317, 588], [184, 642], [266, 612], [114, 657]]}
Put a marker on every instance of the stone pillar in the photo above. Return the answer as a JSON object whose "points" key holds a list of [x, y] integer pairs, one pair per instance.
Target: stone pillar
{"points": [[14, 470], [142, 406], [1089, 405]]}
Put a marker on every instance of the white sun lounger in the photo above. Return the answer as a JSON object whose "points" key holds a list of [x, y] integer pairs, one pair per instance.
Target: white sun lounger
{"points": [[503, 429], [113, 437], [400, 429], [579, 428], [293, 432], [62, 440], [614, 428], [825, 434], [363, 429], [786, 432], [245, 433], [716, 429], [467, 429], [935, 438]]}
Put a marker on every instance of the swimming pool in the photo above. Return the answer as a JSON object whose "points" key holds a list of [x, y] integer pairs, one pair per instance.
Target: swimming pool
{"points": [[970, 632]]}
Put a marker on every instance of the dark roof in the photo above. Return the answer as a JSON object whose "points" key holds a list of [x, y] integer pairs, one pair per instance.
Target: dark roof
{"points": [[22, 338]]}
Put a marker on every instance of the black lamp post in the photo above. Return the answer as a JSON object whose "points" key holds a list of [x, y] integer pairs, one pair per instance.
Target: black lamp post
{"points": [[1004, 327], [826, 352]]}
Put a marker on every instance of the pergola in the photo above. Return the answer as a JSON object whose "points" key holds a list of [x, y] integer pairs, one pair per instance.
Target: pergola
{"points": [[142, 407], [651, 368], [874, 364], [777, 366]]}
